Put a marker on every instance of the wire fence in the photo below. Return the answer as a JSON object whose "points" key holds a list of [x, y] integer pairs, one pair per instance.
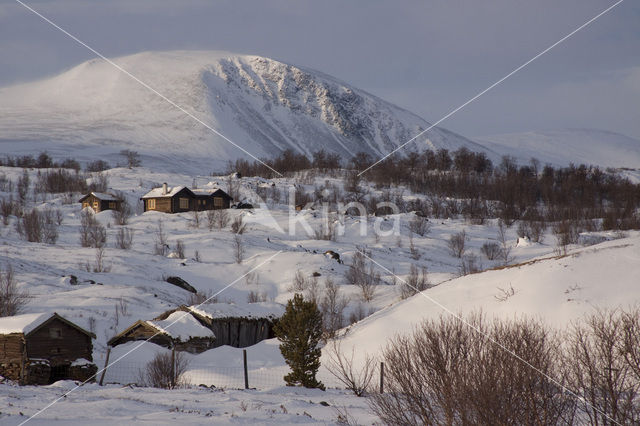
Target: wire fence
{"points": [[199, 374]]}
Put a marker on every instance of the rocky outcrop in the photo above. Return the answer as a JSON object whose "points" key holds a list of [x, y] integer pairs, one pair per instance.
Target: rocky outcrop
{"points": [[179, 282]]}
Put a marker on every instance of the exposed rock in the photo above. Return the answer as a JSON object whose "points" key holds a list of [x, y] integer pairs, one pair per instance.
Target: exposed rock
{"points": [[179, 282]]}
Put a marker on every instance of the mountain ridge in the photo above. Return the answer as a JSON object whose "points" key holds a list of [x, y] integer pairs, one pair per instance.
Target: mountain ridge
{"points": [[261, 104]]}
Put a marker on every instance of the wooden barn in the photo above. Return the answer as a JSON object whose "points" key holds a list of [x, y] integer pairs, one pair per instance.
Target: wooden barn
{"points": [[212, 199], [100, 201], [38, 349], [207, 326], [176, 329], [238, 325]]}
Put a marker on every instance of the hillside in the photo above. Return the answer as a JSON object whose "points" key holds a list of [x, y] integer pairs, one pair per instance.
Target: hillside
{"points": [[557, 290], [263, 105], [562, 147]]}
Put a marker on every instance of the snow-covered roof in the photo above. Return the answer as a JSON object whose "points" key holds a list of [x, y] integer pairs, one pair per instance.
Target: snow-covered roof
{"points": [[22, 323], [207, 190], [269, 310], [104, 196], [182, 326], [158, 192]]}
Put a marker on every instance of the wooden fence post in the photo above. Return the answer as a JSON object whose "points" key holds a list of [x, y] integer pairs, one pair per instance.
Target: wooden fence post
{"points": [[106, 364], [246, 373], [173, 366], [382, 377]]}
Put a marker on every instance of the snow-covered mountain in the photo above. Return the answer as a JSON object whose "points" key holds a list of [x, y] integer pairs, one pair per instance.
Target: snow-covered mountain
{"points": [[561, 147], [263, 105]]}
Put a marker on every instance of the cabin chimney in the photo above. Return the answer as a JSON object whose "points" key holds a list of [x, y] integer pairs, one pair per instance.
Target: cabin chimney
{"points": [[164, 188]]}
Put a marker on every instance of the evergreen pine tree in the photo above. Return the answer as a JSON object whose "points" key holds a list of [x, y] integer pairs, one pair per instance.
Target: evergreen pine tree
{"points": [[299, 331]]}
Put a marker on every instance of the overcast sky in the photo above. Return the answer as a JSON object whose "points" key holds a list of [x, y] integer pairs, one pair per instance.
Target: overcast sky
{"points": [[426, 56]]}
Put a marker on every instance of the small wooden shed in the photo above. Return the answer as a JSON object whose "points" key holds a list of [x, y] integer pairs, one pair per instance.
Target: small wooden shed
{"points": [[43, 348], [100, 201], [177, 329], [169, 199]]}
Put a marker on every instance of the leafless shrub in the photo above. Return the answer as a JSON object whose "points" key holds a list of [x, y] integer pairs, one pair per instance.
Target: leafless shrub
{"points": [[238, 248], [357, 314], [12, 299], [505, 293], [415, 282], [600, 372], [252, 278], [233, 187], [196, 256], [7, 208], [92, 232], [505, 248], [124, 238], [99, 264], [420, 225], [326, 229], [312, 291], [165, 372], [98, 183], [469, 264], [630, 345], [22, 187], [160, 246], [220, 219], [332, 307], [51, 220], [131, 157], [180, 249], [299, 283], [457, 243], [122, 307], [97, 166], [344, 417], [194, 299], [237, 225], [255, 297], [566, 234], [30, 226], [123, 211], [448, 373], [341, 366], [491, 250], [363, 274], [415, 254]]}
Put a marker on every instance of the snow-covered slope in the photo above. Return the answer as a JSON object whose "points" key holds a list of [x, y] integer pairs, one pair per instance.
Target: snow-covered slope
{"points": [[263, 105], [557, 290], [561, 147]]}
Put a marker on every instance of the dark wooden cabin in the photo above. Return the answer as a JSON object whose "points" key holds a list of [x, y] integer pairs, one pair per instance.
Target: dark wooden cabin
{"points": [[178, 329], [44, 348], [100, 201], [181, 199], [169, 200], [212, 199]]}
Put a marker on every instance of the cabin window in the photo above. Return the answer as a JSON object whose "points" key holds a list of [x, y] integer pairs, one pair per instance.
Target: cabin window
{"points": [[55, 333], [218, 202], [85, 204], [96, 205], [112, 204], [184, 203], [151, 204]]}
